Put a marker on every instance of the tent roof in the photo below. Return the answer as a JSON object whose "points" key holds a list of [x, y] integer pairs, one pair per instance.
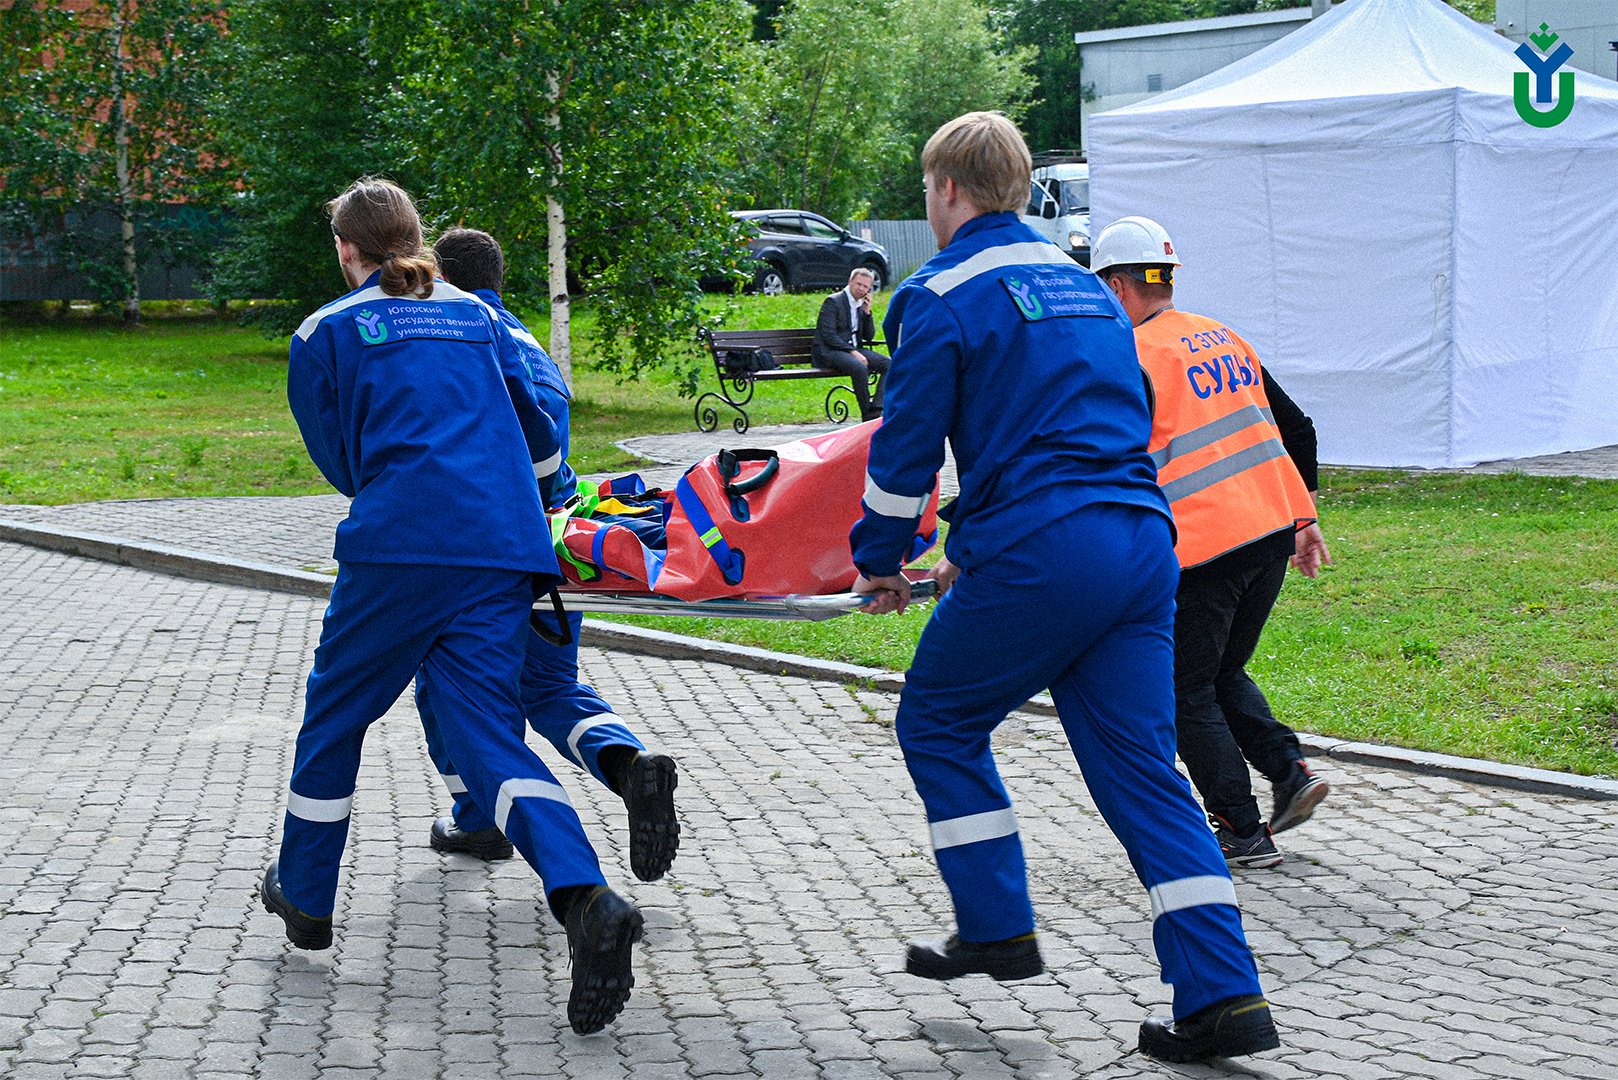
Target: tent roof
{"points": [[1365, 48]]}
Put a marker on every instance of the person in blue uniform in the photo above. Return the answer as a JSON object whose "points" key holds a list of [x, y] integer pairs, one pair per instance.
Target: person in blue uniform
{"points": [[568, 713], [411, 403], [1059, 572]]}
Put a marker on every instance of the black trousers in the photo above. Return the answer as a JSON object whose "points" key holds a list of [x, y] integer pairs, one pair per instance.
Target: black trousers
{"points": [[1221, 716], [859, 366]]}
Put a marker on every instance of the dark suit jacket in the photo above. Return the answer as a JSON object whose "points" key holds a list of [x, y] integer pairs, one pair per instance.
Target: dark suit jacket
{"points": [[835, 325]]}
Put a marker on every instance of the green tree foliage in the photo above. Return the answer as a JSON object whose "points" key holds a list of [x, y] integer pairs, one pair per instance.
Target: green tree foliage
{"points": [[612, 119], [305, 114], [829, 96], [852, 90], [1481, 10], [946, 60], [103, 119]]}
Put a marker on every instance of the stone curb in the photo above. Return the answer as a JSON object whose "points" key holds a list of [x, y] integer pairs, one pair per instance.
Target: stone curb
{"points": [[633, 639], [178, 562]]}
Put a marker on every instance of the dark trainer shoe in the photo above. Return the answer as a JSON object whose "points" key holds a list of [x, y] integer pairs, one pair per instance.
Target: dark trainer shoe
{"points": [[489, 844], [1238, 1025], [1005, 961], [304, 931], [654, 831], [1296, 798], [602, 928], [1256, 849]]}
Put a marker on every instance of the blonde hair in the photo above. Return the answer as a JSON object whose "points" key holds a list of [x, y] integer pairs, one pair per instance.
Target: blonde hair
{"points": [[984, 153], [379, 218]]}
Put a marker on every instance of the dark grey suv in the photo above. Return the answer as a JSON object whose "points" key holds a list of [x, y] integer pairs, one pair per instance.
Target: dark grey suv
{"points": [[799, 251]]}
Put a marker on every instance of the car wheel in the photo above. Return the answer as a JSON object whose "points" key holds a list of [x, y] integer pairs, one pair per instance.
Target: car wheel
{"points": [[771, 281], [880, 278]]}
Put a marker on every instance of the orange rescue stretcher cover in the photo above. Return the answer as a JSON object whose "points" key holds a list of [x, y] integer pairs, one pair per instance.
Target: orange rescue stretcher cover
{"points": [[740, 523]]}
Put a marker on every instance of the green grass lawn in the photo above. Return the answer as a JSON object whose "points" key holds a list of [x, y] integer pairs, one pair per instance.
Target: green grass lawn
{"points": [[1466, 614], [1470, 615], [190, 405]]}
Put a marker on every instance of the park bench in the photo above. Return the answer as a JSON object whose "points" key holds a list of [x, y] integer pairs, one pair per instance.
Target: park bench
{"points": [[791, 349]]}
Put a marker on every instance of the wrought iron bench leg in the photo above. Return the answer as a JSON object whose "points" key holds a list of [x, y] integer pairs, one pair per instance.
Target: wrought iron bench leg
{"points": [[836, 407], [707, 415]]}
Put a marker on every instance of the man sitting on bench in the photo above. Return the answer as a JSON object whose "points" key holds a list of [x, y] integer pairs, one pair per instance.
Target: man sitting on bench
{"points": [[843, 330]]}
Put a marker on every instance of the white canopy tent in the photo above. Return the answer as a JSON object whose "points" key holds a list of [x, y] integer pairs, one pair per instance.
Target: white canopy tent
{"points": [[1432, 278]]}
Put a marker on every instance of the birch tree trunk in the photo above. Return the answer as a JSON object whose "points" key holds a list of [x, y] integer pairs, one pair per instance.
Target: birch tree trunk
{"points": [[124, 199], [556, 243], [561, 303]]}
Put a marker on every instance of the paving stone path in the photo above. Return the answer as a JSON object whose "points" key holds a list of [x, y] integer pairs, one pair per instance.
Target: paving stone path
{"points": [[1421, 927]]}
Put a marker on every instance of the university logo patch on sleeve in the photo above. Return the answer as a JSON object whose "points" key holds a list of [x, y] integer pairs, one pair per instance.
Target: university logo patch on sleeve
{"points": [[1053, 293], [398, 320]]}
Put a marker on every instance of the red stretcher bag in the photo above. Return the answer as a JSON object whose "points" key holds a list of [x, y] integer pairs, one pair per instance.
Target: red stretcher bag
{"points": [[741, 523]]}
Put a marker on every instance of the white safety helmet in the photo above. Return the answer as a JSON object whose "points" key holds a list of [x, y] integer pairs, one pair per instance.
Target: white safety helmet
{"points": [[1133, 241]]}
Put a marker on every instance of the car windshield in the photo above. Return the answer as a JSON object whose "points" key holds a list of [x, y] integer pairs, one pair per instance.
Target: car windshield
{"points": [[1075, 196], [1036, 198]]}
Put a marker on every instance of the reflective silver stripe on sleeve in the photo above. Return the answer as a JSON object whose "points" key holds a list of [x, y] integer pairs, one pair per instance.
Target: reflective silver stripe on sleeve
{"points": [[1030, 253], [454, 783], [598, 720], [548, 467], [522, 335], [326, 810], [525, 788], [888, 504], [1223, 469], [375, 292], [973, 828], [1212, 432], [1191, 892]]}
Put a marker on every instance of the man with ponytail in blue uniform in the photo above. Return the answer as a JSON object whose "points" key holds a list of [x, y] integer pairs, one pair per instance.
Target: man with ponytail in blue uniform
{"points": [[1059, 572], [413, 404], [566, 712]]}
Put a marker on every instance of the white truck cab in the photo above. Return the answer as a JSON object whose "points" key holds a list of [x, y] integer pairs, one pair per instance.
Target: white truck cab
{"points": [[1059, 204]]}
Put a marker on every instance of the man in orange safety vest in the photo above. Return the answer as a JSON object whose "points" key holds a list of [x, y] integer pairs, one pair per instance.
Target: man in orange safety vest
{"points": [[1236, 459]]}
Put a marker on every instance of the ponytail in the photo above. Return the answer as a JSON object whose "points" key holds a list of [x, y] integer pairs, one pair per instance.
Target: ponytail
{"points": [[408, 274], [378, 217]]}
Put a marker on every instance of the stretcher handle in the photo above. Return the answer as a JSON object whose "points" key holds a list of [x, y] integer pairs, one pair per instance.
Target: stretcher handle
{"points": [[730, 464]]}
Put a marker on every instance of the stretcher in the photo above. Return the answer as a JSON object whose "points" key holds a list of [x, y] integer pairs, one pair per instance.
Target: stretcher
{"points": [[742, 534], [782, 608]]}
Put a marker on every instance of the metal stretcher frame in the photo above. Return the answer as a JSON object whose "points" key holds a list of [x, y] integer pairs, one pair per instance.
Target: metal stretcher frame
{"points": [[785, 608]]}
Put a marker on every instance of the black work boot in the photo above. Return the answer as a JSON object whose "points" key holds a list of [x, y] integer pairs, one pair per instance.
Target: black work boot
{"points": [[1296, 797], [654, 830], [489, 844], [1003, 961], [1238, 1025], [602, 928], [304, 931]]}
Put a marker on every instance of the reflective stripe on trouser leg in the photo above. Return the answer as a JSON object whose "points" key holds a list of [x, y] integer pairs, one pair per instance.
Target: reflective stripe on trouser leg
{"points": [[978, 850], [1116, 702], [466, 813], [377, 627], [472, 678], [955, 695], [567, 713]]}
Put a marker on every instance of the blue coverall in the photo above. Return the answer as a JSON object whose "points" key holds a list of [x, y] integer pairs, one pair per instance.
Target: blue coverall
{"points": [[1025, 363], [566, 712], [423, 413]]}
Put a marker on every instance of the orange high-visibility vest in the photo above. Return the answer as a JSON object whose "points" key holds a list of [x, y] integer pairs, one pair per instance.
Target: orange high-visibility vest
{"points": [[1218, 452]]}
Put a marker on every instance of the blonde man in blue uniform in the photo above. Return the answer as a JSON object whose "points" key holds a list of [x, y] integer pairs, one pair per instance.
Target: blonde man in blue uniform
{"points": [[412, 404], [1059, 573]]}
